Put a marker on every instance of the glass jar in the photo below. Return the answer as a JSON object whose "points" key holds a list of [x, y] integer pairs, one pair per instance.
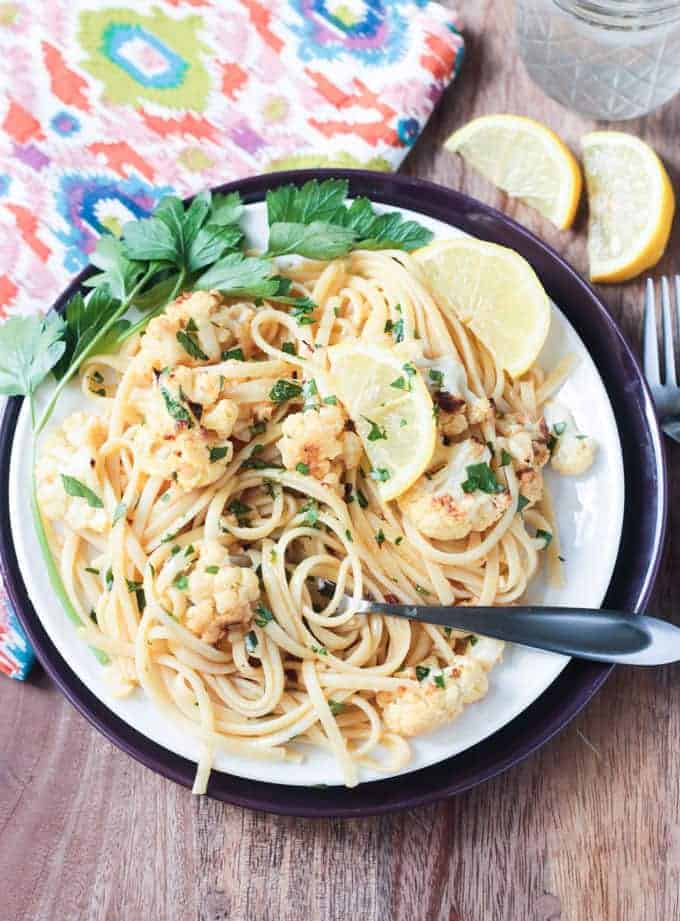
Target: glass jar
{"points": [[610, 59]]}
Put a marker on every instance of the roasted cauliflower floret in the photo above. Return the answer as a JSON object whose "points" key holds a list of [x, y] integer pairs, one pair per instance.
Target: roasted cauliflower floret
{"points": [[458, 405], [313, 439], [232, 323], [220, 594], [573, 452], [526, 440], [199, 385], [439, 698], [221, 418], [183, 457], [439, 506], [486, 650], [190, 315], [71, 450], [530, 483]]}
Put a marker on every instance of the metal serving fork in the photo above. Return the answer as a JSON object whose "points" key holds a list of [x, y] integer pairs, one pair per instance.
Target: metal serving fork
{"points": [[665, 392]]}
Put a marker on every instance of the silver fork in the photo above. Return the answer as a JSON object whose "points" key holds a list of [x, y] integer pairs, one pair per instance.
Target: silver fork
{"points": [[665, 390]]}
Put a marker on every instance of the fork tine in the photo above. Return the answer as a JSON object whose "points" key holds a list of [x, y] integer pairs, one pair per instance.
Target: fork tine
{"points": [[650, 342], [668, 337]]}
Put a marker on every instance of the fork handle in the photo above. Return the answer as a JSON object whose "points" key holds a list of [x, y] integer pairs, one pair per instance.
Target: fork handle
{"points": [[589, 633]]}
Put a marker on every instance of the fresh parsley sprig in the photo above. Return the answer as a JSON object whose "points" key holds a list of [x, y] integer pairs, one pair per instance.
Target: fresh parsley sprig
{"points": [[314, 221]]}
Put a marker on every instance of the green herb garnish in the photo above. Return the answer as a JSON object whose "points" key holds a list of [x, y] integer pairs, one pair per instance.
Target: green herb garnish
{"points": [[74, 487], [481, 477]]}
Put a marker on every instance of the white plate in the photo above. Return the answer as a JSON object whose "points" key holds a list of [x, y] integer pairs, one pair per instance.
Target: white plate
{"points": [[590, 517]]}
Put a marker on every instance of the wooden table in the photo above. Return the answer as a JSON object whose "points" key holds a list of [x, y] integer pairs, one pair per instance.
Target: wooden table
{"points": [[586, 830]]}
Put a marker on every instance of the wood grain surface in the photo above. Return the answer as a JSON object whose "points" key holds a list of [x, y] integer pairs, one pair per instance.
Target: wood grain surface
{"points": [[585, 830]]}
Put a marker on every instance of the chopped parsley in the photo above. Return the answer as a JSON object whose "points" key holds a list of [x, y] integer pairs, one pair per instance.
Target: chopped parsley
{"points": [[320, 650], [361, 499], [181, 582], [422, 591], [74, 487], [263, 616], [95, 572], [380, 474], [336, 707], [175, 409], [309, 392], [401, 383], [348, 535], [251, 642], [481, 477], [258, 429], [108, 579], [190, 346], [233, 355], [311, 513], [473, 640], [559, 428], [544, 535], [380, 537], [376, 433], [332, 400], [397, 329], [302, 312], [398, 540], [505, 458], [289, 348], [439, 681], [213, 570], [218, 453], [437, 377], [284, 390], [302, 468], [522, 503], [422, 672]]}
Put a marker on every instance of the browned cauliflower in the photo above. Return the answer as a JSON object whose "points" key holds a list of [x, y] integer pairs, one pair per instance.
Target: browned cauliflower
{"points": [[232, 323], [459, 407], [439, 506], [220, 594], [574, 452], [525, 440], [189, 316], [439, 698], [70, 450], [312, 440], [530, 483]]}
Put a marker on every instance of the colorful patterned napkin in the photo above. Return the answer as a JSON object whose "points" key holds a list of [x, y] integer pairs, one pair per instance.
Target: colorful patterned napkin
{"points": [[106, 106]]}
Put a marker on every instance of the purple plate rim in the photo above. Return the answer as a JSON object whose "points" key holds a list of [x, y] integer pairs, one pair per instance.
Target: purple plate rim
{"points": [[630, 588]]}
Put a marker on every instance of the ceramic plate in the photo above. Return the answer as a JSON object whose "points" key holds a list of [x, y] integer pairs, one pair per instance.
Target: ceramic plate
{"points": [[590, 512]]}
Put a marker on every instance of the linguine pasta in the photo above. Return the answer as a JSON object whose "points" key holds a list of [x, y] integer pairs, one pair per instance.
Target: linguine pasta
{"points": [[214, 509]]}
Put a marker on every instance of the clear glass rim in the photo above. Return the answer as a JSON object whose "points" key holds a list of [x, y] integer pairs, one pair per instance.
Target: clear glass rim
{"points": [[623, 14]]}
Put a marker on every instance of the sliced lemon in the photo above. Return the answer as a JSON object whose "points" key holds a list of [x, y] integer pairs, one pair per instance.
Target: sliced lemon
{"points": [[493, 291], [631, 204], [525, 159], [391, 408]]}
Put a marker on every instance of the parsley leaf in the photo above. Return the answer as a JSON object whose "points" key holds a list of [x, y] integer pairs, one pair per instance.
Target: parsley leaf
{"points": [[439, 681], [74, 487], [522, 503], [233, 355], [263, 616], [239, 274], [381, 474], [29, 349], [175, 409], [482, 477], [505, 458], [545, 535], [190, 346], [284, 390], [218, 453], [302, 468], [397, 329], [84, 318], [376, 433], [422, 672], [336, 707]]}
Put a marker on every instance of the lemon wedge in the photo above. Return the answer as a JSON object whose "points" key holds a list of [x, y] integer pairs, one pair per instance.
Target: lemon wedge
{"points": [[494, 292], [390, 405], [631, 204], [525, 159]]}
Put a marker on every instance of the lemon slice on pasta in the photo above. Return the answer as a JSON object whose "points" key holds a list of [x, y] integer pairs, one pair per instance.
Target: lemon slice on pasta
{"points": [[495, 293], [391, 408]]}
